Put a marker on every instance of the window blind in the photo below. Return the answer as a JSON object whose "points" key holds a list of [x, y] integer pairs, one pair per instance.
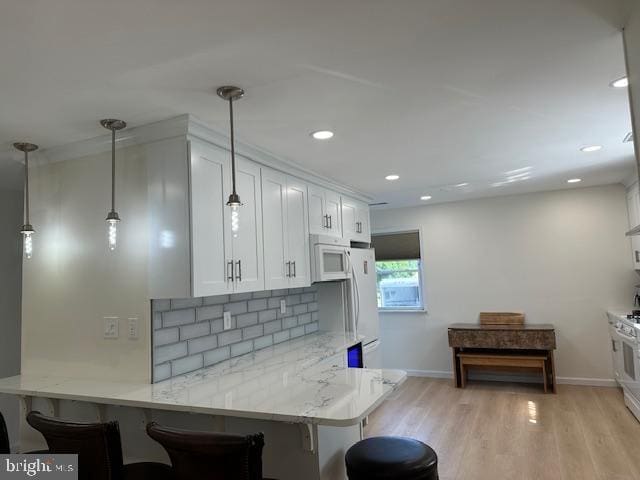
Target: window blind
{"points": [[397, 246]]}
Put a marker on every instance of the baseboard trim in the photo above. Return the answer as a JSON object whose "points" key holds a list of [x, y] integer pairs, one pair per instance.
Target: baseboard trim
{"points": [[590, 382]]}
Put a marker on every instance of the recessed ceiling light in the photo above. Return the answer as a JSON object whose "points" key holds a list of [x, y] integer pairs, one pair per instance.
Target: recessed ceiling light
{"points": [[591, 148], [425, 197], [392, 177], [463, 184], [322, 134], [620, 83], [574, 180]]}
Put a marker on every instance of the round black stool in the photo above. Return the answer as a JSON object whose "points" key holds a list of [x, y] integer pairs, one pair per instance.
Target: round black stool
{"points": [[397, 458]]}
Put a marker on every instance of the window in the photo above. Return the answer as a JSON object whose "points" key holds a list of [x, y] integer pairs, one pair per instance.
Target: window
{"points": [[399, 271]]}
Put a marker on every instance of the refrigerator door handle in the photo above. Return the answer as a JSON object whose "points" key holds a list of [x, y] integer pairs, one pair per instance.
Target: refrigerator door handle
{"points": [[357, 303]]}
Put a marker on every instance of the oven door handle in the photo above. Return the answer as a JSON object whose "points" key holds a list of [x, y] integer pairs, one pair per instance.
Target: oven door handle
{"points": [[625, 336]]}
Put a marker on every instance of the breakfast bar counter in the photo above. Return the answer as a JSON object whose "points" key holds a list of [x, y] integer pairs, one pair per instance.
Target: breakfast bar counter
{"points": [[302, 386]]}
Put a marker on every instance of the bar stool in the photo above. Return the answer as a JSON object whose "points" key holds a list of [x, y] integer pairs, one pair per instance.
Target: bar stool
{"points": [[214, 456], [98, 447], [386, 458], [5, 446]]}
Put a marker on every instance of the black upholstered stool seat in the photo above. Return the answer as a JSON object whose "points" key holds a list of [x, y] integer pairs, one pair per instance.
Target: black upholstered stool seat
{"points": [[397, 458]]}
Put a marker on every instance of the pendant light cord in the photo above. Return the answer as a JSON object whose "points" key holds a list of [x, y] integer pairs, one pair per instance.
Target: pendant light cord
{"points": [[233, 152], [26, 186], [113, 169]]}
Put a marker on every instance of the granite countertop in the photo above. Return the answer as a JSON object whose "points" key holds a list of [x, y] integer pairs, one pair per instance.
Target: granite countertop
{"points": [[477, 326], [292, 382]]}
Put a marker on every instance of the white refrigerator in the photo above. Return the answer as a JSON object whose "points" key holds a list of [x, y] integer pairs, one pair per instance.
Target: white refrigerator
{"points": [[364, 304]]}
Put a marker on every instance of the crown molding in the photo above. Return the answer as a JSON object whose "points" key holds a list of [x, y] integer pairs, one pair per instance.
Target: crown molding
{"points": [[187, 125]]}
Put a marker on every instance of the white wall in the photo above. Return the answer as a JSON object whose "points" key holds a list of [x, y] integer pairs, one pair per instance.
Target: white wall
{"points": [[72, 281], [632, 38], [561, 257], [10, 285]]}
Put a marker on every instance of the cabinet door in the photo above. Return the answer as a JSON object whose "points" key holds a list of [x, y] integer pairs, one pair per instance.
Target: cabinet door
{"points": [[274, 222], [333, 208], [317, 212], [363, 223], [247, 241], [210, 230], [349, 219], [298, 234]]}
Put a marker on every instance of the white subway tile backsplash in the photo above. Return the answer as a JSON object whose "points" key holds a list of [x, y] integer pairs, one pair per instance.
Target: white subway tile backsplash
{"points": [[263, 342], [161, 372], [179, 303], [241, 348], [236, 308], [310, 328], [208, 313], [195, 330], [267, 315], [217, 300], [246, 319], [201, 344], [188, 333], [217, 325], [289, 322], [257, 305], [282, 336], [170, 352], [297, 332], [216, 356], [253, 332], [178, 317], [187, 364], [274, 326], [166, 336], [230, 336]]}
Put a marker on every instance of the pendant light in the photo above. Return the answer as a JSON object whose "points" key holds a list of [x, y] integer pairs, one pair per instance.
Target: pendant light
{"points": [[27, 230], [231, 93], [112, 217]]}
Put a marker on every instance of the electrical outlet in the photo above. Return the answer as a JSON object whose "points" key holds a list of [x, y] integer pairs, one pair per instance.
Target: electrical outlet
{"points": [[283, 306], [133, 328], [227, 320], [110, 327]]}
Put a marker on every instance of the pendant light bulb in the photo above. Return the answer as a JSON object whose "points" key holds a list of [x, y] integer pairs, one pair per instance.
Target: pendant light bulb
{"points": [[27, 230], [112, 217], [231, 93]]}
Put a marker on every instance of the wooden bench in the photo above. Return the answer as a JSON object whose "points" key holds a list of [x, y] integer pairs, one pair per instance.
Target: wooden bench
{"points": [[497, 360]]}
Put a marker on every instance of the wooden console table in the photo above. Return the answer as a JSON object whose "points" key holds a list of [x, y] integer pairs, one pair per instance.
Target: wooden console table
{"points": [[503, 346]]}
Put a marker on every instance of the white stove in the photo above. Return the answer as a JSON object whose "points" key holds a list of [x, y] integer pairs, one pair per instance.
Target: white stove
{"points": [[625, 350]]}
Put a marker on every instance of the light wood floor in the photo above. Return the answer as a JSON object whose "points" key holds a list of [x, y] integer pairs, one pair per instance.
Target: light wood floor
{"points": [[499, 431]]}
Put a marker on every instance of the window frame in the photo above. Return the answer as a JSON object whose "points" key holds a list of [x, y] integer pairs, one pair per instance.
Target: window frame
{"points": [[421, 273]]}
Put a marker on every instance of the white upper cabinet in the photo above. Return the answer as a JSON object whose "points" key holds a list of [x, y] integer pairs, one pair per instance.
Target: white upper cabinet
{"points": [[211, 244], [247, 251], [194, 251], [633, 208], [325, 212], [355, 220], [286, 236]]}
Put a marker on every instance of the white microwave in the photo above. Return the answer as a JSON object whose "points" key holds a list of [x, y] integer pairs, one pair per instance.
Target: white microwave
{"points": [[329, 259]]}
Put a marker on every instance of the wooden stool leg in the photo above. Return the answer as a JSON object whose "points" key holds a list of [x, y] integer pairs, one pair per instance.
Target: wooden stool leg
{"points": [[552, 365], [544, 374]]}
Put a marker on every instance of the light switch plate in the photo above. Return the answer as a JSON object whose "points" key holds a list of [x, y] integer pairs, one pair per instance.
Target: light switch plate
{"points": [[133, 333], [283, 306], [110, 327], [227, 320]]}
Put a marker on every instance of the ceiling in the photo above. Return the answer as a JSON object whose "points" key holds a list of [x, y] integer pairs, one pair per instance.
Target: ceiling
{"points": [[440, 92]]}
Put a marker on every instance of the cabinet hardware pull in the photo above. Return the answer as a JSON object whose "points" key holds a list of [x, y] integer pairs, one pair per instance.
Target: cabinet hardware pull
{"points": [[288, 264], [230, 276], [330, 222], [326, 221], [294, 269], [239, 274], [637, 256]]}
